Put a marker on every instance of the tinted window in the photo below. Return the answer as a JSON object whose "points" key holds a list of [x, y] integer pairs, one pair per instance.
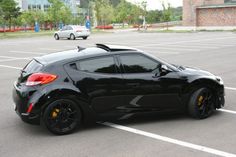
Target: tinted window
{"points": [[32, 67], [64, 28], [138, 64], [98, 65], [70, 28]]}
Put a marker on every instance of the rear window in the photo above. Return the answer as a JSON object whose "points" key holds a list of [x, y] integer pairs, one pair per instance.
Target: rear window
{"points": [[32, 66]]}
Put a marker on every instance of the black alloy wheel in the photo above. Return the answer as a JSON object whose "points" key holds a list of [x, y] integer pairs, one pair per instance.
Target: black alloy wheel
{"points": [[201, 104], [62, 116]]}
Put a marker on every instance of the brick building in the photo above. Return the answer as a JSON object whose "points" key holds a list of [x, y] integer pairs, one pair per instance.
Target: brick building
{"points": [[209, 12]]}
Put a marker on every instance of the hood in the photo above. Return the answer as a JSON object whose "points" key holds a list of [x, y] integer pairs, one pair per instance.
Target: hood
{"points": [[196, 71]]}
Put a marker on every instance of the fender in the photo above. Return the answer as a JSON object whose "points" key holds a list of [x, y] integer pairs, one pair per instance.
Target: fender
{"points": [[41, 101]]}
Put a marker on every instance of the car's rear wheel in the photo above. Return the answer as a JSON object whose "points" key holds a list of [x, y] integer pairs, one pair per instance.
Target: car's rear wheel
{"points": [[201, 104], [72, 37], [56, 36], [62, 116], [84, 38]]}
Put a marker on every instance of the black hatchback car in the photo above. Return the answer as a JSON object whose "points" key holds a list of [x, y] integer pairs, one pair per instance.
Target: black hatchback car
{"points": [[67, 88]]}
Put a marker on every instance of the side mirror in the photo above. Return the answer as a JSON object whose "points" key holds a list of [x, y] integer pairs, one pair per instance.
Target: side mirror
{"points": [[164, 68]]}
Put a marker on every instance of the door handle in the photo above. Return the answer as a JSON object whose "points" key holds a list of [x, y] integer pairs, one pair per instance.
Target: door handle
{"points": [[133, 84]]}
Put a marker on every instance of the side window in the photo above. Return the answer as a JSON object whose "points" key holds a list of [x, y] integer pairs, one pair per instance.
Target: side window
{"points": [[70, 28], [64, 28], [135, 63], [98, 65]]}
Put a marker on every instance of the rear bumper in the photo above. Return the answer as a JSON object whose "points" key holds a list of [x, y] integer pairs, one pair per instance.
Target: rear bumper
{"points": [[21, 101], [82, 34]]}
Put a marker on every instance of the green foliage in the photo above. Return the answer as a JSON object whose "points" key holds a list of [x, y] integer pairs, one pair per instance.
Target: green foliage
{"points": [[104, 12], [58, 12], [122, 11], [9, 11], [166, 13], [177, 14], [153, 16]]}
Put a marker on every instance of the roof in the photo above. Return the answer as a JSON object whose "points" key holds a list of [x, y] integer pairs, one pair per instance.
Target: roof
{"points": [[82, 52], [217, 6]]}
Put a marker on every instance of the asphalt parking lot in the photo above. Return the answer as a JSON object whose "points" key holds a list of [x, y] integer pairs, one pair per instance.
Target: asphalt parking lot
{"points": [[155, 135]]}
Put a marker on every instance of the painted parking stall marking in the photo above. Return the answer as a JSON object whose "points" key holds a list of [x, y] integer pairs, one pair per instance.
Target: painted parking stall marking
{"points": [[11, 67], [25, 52], [169, 140], [227, 111], [230, 88]]}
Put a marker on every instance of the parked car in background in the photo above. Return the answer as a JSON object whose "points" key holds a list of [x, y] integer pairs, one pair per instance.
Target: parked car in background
{"points": [[72, 32]]}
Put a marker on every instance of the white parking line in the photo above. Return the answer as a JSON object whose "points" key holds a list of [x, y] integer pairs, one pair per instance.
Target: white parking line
{"points": [[11, 67], [195, 46], [170, 140], [7, 60], [50, 49], [12, 57], [25, 52], [228, 111], [186, 41], [230, 88]]}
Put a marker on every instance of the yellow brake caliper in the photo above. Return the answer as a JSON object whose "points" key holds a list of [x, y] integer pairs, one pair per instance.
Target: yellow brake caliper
{"points": [[55, 112], [200, 100]]}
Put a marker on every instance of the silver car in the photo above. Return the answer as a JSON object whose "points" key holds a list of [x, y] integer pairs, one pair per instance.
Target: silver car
{"points": [[72, 32]]}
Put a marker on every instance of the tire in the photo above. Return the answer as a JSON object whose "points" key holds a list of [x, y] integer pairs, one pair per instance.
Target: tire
{"points": [[84, 38], [201, 103], [62, 116], [72, 37], [56, 36]]}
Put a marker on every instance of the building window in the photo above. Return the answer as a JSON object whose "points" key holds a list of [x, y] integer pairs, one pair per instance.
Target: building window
{"points": [[46, 7], [39, 6], [230, 1]]}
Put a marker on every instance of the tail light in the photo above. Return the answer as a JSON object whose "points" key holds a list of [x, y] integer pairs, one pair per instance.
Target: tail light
{"points": [[30, 108], [40, 79]]}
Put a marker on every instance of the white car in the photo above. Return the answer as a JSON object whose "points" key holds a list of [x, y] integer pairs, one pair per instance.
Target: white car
{"points": [[72, 32]]}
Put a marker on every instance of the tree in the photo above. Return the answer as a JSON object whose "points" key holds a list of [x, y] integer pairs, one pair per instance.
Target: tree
{"points": [[154, 16], [166, 13], [122, 11], [104, 12], [9, 10], [59, 12]]}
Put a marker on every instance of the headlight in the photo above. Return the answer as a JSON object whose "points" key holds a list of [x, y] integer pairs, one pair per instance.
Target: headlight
{"points": [[219, 79]]}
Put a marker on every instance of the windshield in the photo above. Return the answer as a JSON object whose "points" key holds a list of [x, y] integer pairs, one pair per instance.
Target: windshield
{"points": [[172, 67]]}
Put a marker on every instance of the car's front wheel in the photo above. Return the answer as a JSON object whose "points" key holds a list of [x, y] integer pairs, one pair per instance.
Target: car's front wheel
{"points": [[56, 36], [201, 103], [62, 116]]}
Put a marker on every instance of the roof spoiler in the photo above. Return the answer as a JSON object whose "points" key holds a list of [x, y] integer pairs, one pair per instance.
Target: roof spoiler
{"points": [[112, 48]]}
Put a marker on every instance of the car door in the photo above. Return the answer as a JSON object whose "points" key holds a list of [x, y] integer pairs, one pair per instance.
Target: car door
{"points": [[100, 83], [69, 31], [62, 32], [146, 87]]}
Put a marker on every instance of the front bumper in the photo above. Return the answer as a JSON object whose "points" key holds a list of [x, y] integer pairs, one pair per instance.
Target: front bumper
{"points": [[220, 101], [22, 100]]}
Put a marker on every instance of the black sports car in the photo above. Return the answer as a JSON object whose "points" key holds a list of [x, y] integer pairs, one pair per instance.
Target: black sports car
{"points": [[67, 88]]}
